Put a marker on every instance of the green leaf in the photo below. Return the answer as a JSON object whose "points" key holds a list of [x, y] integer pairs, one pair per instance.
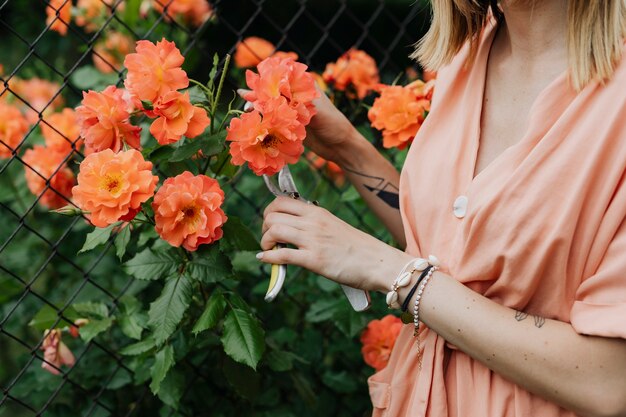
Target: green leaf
{"points": [[222, 166], [146, 234], [246, 382], [151, 265], [88, 78], [237, 236], [163, 361], [323, 310], [209, 265], [96, 238], [160, 154], [187, 149], [91, 309], [349, 321], [94, 328], [121, 241], [46, 317], [212, 314], [243, 338], [213, 144], [172, 388], [342, 382], [131, 319], [131, 12], [168, 310], [279, 361], [138, 348]]}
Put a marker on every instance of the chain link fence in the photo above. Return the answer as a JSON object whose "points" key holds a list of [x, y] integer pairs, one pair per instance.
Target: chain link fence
{"points": [[41, 274]]}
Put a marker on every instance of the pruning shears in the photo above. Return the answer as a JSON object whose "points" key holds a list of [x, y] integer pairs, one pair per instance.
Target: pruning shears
{"points": [[359, 299]]}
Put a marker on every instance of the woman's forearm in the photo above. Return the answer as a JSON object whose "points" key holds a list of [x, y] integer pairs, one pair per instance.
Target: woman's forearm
{"points": [[547, 357], [376, 180]]}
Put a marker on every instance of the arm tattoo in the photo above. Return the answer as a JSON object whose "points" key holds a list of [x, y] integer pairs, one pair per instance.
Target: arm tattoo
{"points": [[385, 190], [539, 321]]}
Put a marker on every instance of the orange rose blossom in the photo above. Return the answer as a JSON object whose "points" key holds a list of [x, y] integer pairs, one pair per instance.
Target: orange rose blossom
{"points": [[109, 52], [355, 70], [59, 15], [187, 210], [112, 186], [194, 12], [104, 121], [61, 130], [13, 127], [177, 117], [41, 163], [378, 339], [400, 111]]}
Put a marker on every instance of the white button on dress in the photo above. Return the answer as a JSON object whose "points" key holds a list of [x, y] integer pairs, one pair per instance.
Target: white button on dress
{"points": [[459, 208]]}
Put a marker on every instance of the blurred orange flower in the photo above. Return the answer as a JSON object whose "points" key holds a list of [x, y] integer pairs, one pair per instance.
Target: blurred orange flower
{"points": [[193, 12], [177, 117], [251, 51], [329, 168], [354, 71], [42, 163], [378, 339], [90, 14], [55, 352], [13, 127], [155, 70], [109, 52], [59, 15], [187, 210], [61, 130], [104, 121], [287, 78], [400, 111], [112, 186], [42, 96], [267, 139]]}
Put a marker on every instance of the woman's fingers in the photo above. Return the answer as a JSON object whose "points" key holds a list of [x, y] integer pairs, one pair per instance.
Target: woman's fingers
{"points": [[283, 256], [275, 218], [282, 233], [289, 206]]}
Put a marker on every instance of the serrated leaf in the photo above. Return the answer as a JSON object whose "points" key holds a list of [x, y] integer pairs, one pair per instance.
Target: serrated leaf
{"points": [[96, 238], [237, 236], [94, 328], [131, 319], [138, 348], [209, 265], [187, 149], [149, 265], [213, 144], [212, 314], [46, 317], [243, 338], [162, 153], [172, 388], [91, 309], [121, 241], [349, 321], [168, 310], [163, 361], [323, 310]]}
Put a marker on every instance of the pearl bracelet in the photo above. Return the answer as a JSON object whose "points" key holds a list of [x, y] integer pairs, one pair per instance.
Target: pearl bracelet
{"points": [[420, 290]]}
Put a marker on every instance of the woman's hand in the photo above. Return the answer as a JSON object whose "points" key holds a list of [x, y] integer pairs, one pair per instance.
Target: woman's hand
{"points": [[326, 245]]}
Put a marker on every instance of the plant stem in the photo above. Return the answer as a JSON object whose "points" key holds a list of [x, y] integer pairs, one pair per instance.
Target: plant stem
{"points": [[221, 83], [203, 87]]}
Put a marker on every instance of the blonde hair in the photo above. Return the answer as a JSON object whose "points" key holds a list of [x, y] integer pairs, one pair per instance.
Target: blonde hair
{"points": [[596, 32]]}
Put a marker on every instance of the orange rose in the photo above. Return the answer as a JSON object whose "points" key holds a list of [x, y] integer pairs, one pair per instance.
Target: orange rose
{"points": [[13, 127], [109, 53], [251, 51], [155, 70], [187, 210], [353, 70], [104, 121], [193, 12], [90, 14], [42, 97], [43, 164], [55, 352], [112, 186], [287, 78], [59, 15], [400, 111], [330, 169], [61, 131], [267, 140], [177, 117], [378, 339]]}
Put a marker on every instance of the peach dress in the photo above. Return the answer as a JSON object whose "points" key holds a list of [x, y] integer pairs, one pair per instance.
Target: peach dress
{"points": [[541, 229]]}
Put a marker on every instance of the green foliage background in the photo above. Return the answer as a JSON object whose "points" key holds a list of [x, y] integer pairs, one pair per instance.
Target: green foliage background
{"points": [[310, 354]]}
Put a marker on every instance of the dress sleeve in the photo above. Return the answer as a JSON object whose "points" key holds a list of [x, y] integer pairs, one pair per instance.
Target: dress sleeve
{"points": [[600, 306]]}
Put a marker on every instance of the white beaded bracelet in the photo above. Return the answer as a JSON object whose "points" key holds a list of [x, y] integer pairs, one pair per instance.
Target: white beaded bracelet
{"points": [[403, 279], [420, 290]]}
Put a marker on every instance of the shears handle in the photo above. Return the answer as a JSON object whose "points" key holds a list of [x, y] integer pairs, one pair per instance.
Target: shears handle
{"points": [[277, 278]]}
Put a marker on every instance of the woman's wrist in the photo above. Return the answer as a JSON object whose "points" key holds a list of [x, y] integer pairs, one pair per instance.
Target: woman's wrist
{"points": [[354, 152]]}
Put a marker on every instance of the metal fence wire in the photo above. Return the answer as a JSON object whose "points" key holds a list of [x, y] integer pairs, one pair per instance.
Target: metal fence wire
{"points": [[38, 250]]}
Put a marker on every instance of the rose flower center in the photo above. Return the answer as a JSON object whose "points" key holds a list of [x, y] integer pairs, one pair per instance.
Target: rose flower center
{"points": [[270, 141], [190, 214], [112, 184]]}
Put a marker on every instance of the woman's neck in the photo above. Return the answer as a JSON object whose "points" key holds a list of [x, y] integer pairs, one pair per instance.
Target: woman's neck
{"points": [[535, 30]]}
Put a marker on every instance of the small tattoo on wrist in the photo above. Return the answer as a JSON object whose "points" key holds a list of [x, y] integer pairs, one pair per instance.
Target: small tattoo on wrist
{"points": [[539, 321]]}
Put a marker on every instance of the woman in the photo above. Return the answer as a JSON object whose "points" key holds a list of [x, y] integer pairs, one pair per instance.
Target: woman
{"points": [[527, 314]]}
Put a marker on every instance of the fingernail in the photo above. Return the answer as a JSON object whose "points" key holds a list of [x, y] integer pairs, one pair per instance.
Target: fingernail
{"points": [[259, 255]]}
